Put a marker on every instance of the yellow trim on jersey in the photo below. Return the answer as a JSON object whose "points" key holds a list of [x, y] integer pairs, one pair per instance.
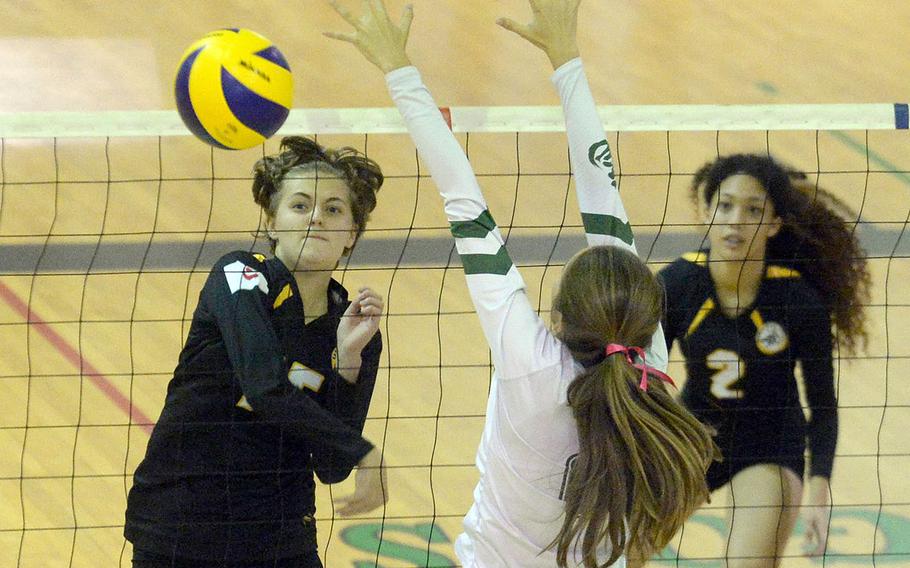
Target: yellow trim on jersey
{"points": [[757, 319], [259, 257], [781, 272], [285, 293], [703, 312], [698, 258]]}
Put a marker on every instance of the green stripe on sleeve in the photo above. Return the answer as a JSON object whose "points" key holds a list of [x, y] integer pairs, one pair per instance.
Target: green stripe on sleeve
{"points": [[476, 229], [608, 225], [498, 263]]}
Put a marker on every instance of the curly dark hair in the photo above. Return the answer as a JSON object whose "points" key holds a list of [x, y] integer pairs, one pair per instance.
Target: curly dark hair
{"points": [[814, 237], [362, 175]]}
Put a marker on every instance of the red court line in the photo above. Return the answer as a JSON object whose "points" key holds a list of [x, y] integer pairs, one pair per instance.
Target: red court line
{"points": [[75, 358]]}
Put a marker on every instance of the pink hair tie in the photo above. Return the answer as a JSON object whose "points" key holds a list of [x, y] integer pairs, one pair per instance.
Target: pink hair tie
{"points": [[645, 369]]}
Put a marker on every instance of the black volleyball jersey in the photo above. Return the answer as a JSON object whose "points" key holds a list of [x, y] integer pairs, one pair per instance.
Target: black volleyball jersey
{"points": [[740, 370], [254, 408]]}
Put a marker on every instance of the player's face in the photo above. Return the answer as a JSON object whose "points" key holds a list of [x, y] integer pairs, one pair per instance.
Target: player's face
{"points": [[314, 222], [741, 219]]}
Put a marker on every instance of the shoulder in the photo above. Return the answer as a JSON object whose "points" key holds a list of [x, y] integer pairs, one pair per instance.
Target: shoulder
{"points": [[791, 285], [244, 270], [247, 258], [796, 299], [689, 265]]}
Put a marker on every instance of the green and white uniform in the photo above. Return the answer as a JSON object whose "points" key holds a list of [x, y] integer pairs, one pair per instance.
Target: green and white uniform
{"points": [[530, 436]]}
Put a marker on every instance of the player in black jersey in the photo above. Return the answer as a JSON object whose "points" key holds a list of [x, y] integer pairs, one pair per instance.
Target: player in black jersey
{"points": [[781, 268], [273, 384]]}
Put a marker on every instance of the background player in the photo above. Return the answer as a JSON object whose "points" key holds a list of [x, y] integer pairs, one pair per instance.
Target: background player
{"points": [[780, 267], [274, 382], [582, 452]]}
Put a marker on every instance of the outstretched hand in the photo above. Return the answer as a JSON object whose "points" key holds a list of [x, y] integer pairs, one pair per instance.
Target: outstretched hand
{"points": [[552, 28], [375, 36]]}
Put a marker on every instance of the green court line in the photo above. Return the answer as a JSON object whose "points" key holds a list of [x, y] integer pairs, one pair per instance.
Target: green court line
{"points": [[873, 157]]}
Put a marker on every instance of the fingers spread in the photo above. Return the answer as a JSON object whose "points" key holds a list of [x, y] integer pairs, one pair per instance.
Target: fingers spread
{"points": [[342, 37], [377, 7], [508, 24], [407, 17], [344, 13], [518, 29]]}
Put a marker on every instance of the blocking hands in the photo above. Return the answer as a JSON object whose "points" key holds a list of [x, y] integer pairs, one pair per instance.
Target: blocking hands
{"points": [[552, 28], [382, 42]]}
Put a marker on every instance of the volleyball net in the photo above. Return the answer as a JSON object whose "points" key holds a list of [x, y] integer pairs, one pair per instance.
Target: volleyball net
{"points": [[109, 223]]}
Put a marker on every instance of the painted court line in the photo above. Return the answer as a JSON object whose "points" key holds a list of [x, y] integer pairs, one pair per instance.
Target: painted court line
{"points": [[72, 355]]}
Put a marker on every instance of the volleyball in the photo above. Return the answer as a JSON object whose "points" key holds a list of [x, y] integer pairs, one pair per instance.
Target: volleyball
{"points": [[233, 88]]}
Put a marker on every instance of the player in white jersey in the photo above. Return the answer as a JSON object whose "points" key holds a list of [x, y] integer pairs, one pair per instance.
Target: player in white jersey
{"points": [[584, 452]]}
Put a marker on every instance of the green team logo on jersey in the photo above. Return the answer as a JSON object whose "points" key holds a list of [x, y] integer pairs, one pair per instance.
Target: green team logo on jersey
{"points": [[600, 157]]}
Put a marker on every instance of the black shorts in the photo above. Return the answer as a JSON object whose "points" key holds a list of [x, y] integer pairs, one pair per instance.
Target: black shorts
{"points": [[747, 439], [720, 473], [148, 559]]}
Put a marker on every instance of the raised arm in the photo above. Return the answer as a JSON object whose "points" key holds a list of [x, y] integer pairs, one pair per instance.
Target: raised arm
{"points": [[518, 339], [553, 30]]}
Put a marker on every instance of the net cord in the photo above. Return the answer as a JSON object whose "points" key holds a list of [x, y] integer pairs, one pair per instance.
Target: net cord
{"points": [[625, 118]]}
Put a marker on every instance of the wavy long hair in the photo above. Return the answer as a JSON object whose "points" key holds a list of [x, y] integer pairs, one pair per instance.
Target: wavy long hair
{"points": [[640, 470], [362, 175], [814, 237]]}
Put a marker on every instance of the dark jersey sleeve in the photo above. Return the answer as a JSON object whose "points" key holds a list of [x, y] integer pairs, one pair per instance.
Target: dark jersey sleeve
{"points": [[668, 276], [236, 297], [815, 351], [350, 403]]}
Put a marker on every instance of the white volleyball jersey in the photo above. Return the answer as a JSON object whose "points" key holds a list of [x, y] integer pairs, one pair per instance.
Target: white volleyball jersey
{"points": [[530, 438]]}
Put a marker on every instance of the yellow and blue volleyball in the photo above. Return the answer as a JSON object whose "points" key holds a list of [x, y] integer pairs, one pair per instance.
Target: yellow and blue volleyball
{"points": [[233, 88]]}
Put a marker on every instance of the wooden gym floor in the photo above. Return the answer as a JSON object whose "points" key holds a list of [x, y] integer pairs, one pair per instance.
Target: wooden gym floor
{"points": [[98, 279]]}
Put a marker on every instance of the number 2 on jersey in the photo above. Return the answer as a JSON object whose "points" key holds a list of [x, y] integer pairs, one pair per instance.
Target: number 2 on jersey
{"points": [[730, 368]]}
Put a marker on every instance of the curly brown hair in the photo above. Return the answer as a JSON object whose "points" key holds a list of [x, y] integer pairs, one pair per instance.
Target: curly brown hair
{"points": [[814, 238], [362, 175]]}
